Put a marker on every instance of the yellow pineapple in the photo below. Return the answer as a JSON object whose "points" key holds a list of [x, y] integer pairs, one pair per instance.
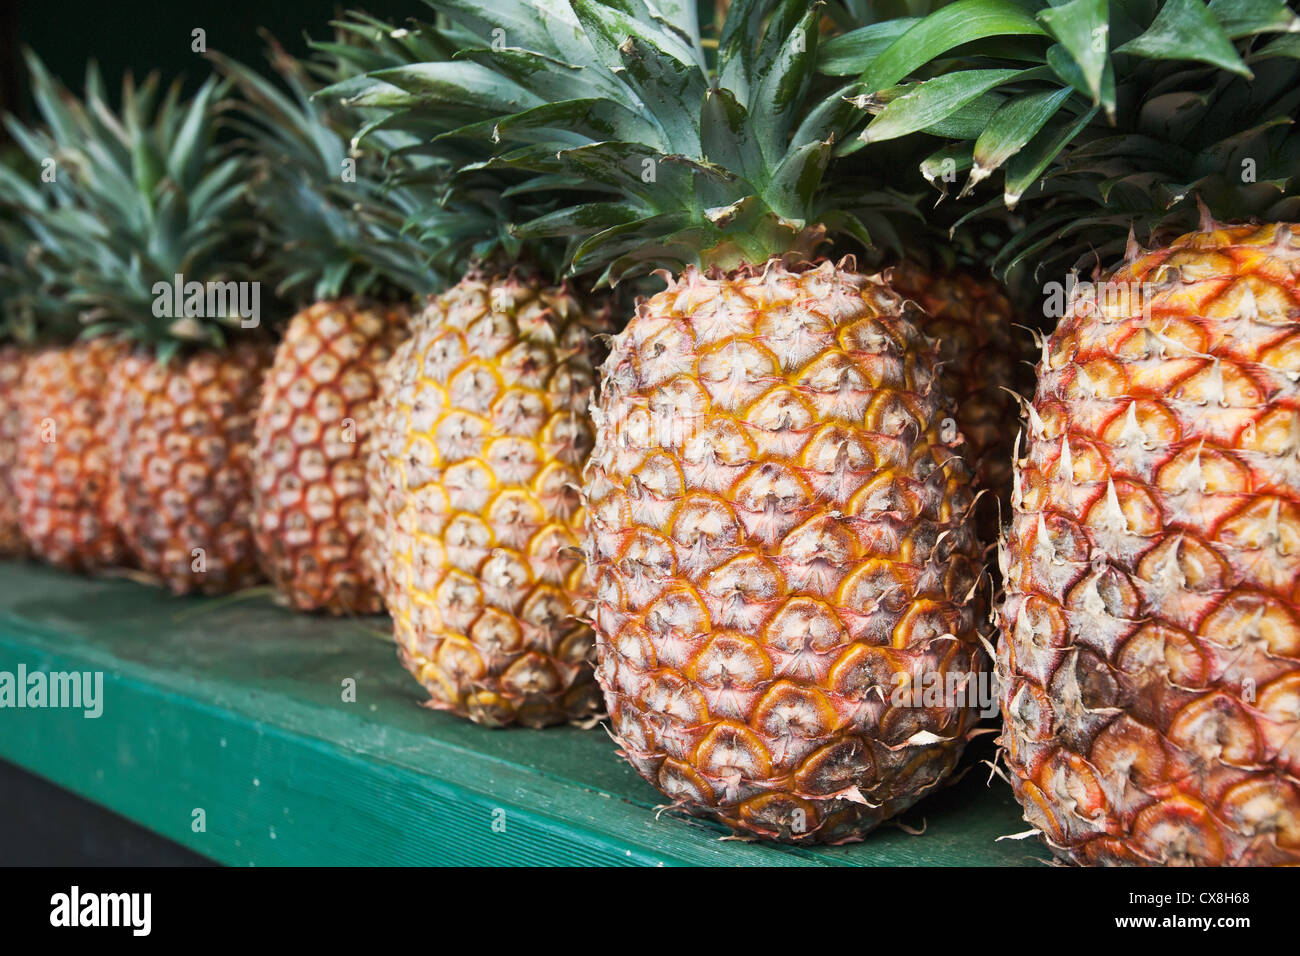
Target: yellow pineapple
{"points": [[479, 429], [481, 515]]}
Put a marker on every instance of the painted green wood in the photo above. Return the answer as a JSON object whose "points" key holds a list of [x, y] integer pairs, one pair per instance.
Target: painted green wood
{"points": [[236, 708]]}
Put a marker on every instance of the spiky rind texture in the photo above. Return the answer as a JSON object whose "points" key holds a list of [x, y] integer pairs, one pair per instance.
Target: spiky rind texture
{"points": [[309, 512], [181, 441], [383, 470], [780, 539], [485, 449], [12, 360], [63, 467], [1151, 634]]}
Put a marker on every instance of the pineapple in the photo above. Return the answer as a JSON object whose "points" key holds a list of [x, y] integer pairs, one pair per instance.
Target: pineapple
{"points": [[310, 493], [780, 537], [182, 441], [483, 517], [1150, 646], [63, 468], [157, 198], [12, 360], [339, 239], [480, 435], [768, 579], [55, 467]]}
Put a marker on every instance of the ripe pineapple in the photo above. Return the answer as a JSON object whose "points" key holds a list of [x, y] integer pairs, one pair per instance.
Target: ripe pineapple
{"points": [[179, 397], [338, 240], [63, 468], [491, 435], [779, 535], [1152, 646], [182, 442], [55, 470], [480, 433], [780, 539], [309, 467], [12, 360], [1150, 652]]}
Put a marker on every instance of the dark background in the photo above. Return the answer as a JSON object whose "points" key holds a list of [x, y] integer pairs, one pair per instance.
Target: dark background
{"points": [[43, 825], [145, 35]]}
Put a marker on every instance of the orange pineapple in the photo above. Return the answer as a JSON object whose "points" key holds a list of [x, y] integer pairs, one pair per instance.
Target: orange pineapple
{"points": [[12, 361], [1152, 635], [63, 467], [1150, 649], [309, 465], [182, 440], [55, 466]]}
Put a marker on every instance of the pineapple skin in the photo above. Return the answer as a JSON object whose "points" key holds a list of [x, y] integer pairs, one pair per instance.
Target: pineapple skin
{"points": [[980, 366], [62, 487], [12, 361], [312, 433], [1150, 652], [181, 444], [385, 489], [479, 509], [778, 540]]}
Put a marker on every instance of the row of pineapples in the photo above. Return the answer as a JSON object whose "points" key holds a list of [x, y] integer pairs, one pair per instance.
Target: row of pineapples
{"points": [[760, 500]]}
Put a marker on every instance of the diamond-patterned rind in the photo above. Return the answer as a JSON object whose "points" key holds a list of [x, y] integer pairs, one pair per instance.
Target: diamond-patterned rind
{"points": [[182, 435], [1150, 634], [476, 476], [64, 468], [12, 361], [312, 431], [780, 541]]}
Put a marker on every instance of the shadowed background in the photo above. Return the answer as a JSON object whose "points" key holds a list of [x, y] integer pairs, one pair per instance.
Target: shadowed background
{"points": [[145, 35]]}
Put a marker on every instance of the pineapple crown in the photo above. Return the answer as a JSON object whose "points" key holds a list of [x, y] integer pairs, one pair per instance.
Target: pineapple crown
{"points": [[1100, 118], [137, 198], [335, 218], [656, 160], [34, 296], [469, 227]]}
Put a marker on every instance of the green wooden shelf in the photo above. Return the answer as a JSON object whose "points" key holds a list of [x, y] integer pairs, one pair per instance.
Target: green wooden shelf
{"points": [[236, 708]]}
